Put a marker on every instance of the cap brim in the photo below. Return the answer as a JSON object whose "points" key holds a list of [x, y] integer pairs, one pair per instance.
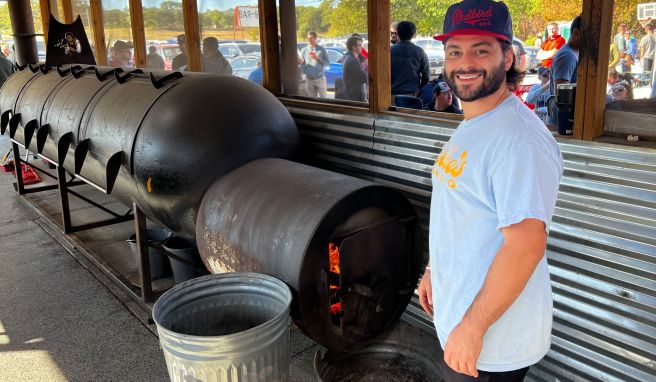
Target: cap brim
{"points": [[470, 32]]}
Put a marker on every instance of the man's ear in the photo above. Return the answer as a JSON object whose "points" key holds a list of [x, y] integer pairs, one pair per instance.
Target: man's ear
{"points": [[509, 58]]}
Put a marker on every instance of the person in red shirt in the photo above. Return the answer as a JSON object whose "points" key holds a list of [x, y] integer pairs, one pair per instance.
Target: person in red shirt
{"points": [[550, 45]]}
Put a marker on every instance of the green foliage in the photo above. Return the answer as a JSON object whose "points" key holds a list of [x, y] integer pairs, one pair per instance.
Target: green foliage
{"points": [[310, 19], [347, 16]]}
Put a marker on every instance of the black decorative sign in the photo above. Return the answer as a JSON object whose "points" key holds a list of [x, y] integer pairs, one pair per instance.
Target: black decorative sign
{"points": [[68, 44]]}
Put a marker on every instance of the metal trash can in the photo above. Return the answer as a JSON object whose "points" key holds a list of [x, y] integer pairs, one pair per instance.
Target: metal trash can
{"points": [[159, 265], [226, 327], [187, 250]]}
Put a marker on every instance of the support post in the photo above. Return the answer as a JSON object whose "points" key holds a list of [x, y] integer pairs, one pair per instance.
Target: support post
{"points": [[192, 33], [63, 199], [18, 170], [147, 294], [380, 77], [95, 9], [67, 7], [288, 54], [46, 10], [138, 33], [269, 39]]}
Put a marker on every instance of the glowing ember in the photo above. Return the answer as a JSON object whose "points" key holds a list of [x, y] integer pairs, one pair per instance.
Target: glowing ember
{"points": [[333, 251]]}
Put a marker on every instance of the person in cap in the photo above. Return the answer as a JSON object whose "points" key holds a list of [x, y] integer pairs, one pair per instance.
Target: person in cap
{"points": [[495, 185], [180, 61], [443, 99], [538, 92], [122, 57]]}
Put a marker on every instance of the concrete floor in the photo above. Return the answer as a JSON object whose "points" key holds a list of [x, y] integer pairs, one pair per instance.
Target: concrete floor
{"points": [[61, 319]]}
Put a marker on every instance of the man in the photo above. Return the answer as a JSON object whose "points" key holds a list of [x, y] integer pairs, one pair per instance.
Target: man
{"points": [[648, 49], [122, 57], [443, 101], [153, 60], [410, 71], [213, 60], [314, 60], [180, 60], [550, 46], [565, 63], [538, 92], [619, 39], [494, 191], [6, 69], [394, 34], [520, 55]]}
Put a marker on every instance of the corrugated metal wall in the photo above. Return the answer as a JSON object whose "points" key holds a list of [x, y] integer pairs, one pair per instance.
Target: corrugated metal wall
{"points": [[601, 249]]}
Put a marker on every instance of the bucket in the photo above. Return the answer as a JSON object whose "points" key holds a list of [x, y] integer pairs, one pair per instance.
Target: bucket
{"points": [[159, 265], [187, 250], [403, 353], [226, 327]]}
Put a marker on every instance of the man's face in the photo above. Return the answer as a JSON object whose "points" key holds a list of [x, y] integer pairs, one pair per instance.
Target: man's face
{"points": [[69, 38], [311, 40], [475, 66], [394, 36], [553, 30], [357, 47], [443, 99]]}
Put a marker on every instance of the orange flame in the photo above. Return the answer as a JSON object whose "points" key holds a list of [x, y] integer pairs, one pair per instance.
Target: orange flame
{"points": [[333, 250]]}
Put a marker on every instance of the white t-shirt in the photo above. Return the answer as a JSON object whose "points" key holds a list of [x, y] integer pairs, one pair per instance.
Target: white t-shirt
{"points": [[498, 169]]}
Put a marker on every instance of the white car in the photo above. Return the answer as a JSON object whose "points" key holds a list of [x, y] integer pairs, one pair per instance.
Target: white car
{"points": [[435, 51]]}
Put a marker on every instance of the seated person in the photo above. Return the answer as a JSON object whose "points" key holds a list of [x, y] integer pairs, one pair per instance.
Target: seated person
{"points": [[538, 93], [621, 91], [443, 100]]}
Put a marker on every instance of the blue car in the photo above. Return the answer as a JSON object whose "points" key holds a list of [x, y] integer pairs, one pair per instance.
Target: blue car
{"points": [[245, 67]]}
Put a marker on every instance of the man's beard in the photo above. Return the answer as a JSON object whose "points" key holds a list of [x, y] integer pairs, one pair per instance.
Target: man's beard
{"points": [[490, 84]]}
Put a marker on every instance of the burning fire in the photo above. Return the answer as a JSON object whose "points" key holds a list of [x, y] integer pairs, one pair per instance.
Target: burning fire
{"points": [[333, 252]]}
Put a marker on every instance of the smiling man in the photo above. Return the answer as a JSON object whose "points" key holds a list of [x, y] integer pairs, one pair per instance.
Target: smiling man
{"points": [[494, 190]]}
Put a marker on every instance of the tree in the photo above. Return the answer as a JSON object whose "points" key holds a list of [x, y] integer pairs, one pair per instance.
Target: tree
{"points": [[347, 17]]}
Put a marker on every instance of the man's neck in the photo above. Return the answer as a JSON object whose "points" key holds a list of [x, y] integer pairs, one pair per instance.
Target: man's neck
{"points": [[481, 106]]}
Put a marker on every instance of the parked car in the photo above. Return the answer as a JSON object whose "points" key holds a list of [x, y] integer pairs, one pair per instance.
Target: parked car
{"points": [[435, 51], [232, 50], [244, 65]]}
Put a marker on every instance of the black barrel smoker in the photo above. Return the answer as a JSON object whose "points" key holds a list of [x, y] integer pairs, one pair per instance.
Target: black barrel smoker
{"points": [[196, 153]]}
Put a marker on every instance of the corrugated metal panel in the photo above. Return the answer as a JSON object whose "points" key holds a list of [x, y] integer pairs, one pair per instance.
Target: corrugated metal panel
{"points": [[601, 249]]}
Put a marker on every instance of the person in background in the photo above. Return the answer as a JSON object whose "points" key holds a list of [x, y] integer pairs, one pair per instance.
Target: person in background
{"points": [[520, 55], [539, 92], [620, 40], [355, 71], [394, 34], [551, 45], [6, 68], [648, 49], [364, 53], [495, 185], [443, 99], [538, 41], [631, 45], [212, 59], [613, 56], [621, 91], [410, 71], [153, 60], [565, 63], [180, 60], [122, 56], [314, 60]]}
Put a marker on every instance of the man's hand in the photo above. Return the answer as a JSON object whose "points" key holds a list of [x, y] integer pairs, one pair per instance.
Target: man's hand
{"points": [[463, 348], [425, 291]]}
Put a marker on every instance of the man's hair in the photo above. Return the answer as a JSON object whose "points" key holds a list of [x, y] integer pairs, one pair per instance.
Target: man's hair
{"points": [[406, 30], [576, 23], [394, 26], [553, 23], [211, 43], [313, 34], [350, 43], [182, 39], [513, 76]]}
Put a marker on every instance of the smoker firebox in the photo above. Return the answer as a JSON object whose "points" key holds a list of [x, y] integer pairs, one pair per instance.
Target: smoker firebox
{"points": [[279, 217]]}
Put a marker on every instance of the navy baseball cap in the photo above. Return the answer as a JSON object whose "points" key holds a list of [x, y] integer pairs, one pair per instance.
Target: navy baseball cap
{"points": [[477, 17]]}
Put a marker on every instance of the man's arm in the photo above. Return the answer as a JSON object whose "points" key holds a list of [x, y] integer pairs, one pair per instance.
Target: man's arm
{"points": [[545, 54], [523, 248], [425, 70]]}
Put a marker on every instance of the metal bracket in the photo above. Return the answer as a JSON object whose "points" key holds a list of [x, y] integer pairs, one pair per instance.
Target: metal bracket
{"points": [[62, 147], [13, 124], [29, 130], [4, 121], [77, 71], [103, 76], [45, 68], [113, 167], [81, 151], [121, 79], [33, 67], [41, 136], [162, 81], [63, 72]]}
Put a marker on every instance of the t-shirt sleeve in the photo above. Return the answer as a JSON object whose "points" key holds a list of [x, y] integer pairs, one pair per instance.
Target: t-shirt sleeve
{"points": [[564, 67], [525, 185]]}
